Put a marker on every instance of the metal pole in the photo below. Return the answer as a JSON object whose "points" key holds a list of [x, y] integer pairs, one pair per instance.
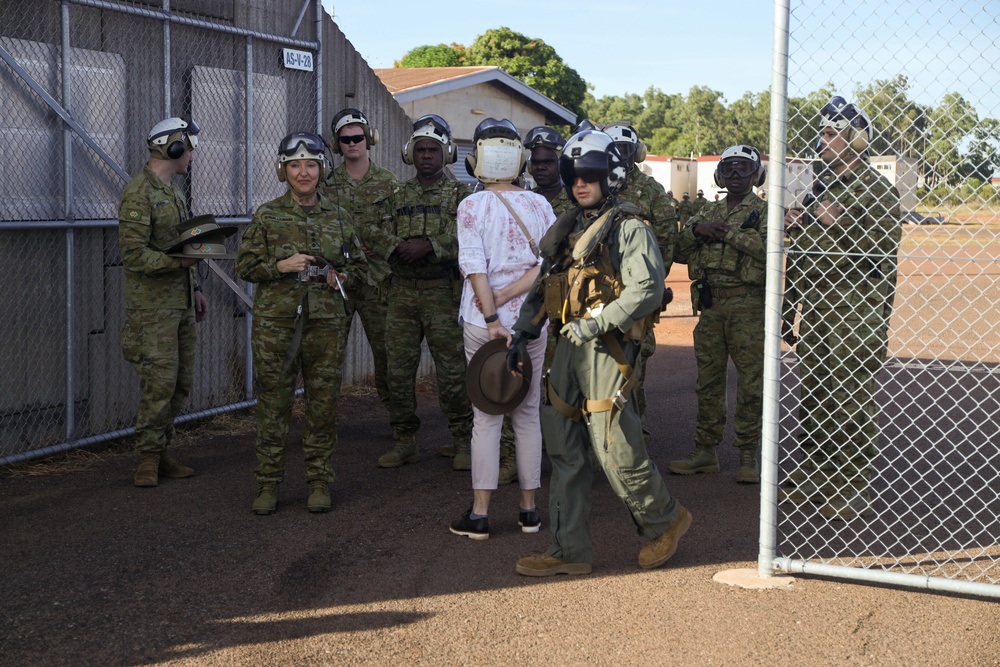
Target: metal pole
{"points": [[302, 14], [166, 60], [248, 156], [319, 68], [772, 301], [70, 234]]}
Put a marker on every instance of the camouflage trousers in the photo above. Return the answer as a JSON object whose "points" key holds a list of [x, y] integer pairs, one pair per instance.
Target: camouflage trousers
{"points": [[414, 315], [371, 309], [840, 356], [590, 372], [732, 328], [160, 344], [320, 359], [645, 352]]}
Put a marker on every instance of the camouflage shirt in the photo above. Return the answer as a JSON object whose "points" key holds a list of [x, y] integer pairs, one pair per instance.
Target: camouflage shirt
{"points": [[699, 203], [148, 215], [560, 203], [685, 210], [365, 201], [739, 259], [852, 263], [421, 212], [646, 193], [281, 228]]}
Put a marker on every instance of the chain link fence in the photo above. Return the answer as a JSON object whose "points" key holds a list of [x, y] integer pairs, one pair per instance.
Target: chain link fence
{"points": [[82, 82], [882, 419]]}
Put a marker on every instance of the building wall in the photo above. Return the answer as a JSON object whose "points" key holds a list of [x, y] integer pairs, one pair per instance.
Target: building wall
{"points": [[798, 178], [464, 109], [904, 174], [676, 174]]}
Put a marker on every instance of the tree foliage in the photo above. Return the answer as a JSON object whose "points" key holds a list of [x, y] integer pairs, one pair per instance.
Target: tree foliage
{"points": [[441, 55]]}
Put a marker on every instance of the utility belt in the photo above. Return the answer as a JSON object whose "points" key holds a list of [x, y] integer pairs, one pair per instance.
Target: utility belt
{"points": [[614, 404], [703, 295], [419, 283]]}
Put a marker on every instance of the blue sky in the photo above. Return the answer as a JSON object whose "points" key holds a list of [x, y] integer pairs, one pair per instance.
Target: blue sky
{"points": [[628, 46]]}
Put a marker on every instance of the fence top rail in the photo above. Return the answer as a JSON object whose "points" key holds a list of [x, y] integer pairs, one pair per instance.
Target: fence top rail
{"points": [[198, 23]]}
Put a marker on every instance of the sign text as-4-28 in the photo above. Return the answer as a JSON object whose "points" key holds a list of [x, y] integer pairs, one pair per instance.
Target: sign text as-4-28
{"points": [[298, 59]]}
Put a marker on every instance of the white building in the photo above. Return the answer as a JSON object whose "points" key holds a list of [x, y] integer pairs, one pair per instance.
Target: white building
{"points": [[798, 178], [904, 174], [677, 174]]}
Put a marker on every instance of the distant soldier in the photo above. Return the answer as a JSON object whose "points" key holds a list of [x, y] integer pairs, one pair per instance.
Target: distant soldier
{"points": [[700, 202], [363, 188], [162, 297], [843, 249], [723, 247], [670, 194], [686, 208], [417, 237]]}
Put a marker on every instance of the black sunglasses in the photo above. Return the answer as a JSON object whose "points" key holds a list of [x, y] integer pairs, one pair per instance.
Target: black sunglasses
{"points": [[353, 139]]}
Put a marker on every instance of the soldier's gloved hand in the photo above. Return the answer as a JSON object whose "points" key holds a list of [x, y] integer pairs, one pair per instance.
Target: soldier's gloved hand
{"points": [[516, 351], [580, 332]]}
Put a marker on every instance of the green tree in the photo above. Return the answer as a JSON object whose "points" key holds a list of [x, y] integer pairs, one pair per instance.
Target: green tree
{"points": [[897, 121], [532, 61], [441, 55], [944, 132]]}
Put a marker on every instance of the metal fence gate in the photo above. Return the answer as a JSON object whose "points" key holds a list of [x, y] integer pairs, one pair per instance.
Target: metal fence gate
{"points": [[926, 511], [82, 82]]}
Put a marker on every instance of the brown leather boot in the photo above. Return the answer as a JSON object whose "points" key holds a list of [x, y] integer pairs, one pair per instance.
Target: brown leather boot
{"points": [[169, 467], [146, 474]]}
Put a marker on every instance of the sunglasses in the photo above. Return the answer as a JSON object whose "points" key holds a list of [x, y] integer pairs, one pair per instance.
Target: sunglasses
{"points": [[354, 139]]}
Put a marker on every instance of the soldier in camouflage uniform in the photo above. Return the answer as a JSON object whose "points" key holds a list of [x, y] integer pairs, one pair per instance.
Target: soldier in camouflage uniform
{"points": [[418, 239], [699, 202], [658, 210], [685, 209], [162, 297], [362, 188], [673, 200], [841, 270], [590, 416], [724, 249], [299, 317]]}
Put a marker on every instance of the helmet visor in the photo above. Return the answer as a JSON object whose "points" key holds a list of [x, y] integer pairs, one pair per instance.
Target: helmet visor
{"points": [[439, 123], [839, 109], [738, 167], [290, 144]]}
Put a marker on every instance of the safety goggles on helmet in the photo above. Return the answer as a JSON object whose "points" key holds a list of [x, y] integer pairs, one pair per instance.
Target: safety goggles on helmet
{"points": [[839, 114], [491, 127], [737, 167], [437, 122], [289, 146], [544, 136]]}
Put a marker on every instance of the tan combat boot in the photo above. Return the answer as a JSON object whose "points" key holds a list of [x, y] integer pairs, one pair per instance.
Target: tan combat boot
{"points": [[169, 467], [849, 502], [747, 474], [658, 550], [508, 464], [463, 456], [267, 499], [319, 497], [404, 451], [146, 473], [701, 459]]}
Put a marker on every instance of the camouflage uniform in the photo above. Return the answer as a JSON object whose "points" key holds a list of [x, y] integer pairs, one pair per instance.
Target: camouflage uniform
{"points": [[560, 203], [733, 327], [365, 200], [844, 277], [646, 193], [280, 229], [589, 372], [685, 210], [159, 336], [699, 203], [423, 303]]}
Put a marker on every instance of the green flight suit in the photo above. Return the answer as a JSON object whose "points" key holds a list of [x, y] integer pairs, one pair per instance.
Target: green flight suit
{"points": [[365, 200], [159, 336], [589, 372], [423, 302], [733, 327], [280, 229], [844, 278]]}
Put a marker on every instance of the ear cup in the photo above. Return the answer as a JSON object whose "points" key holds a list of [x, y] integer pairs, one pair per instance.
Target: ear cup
{"points": [[407, 157], [761, 175], [640, 153], [859, 140], [451, 155], [175, 149], [717, 177], [280, 168], [470, 164], [372, 136]]}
